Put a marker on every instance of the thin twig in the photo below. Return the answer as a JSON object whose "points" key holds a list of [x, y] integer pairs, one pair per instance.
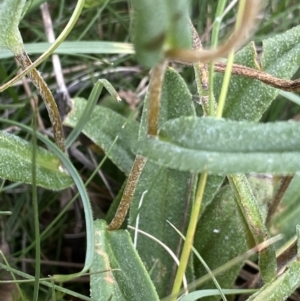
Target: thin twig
{"points": [[279, 83], [266, 78], [278, 197]]}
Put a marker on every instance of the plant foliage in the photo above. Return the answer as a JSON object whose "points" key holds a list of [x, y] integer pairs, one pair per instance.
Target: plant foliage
{"points": [[215, 165]]}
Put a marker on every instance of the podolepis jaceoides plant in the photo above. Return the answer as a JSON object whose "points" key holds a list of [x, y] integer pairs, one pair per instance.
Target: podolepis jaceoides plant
{"points": [[189, 193]]}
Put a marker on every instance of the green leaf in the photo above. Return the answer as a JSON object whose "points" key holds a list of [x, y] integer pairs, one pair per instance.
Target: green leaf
{"points": [[213, 183], [16, 165], [159, 25], [167, 199], [224, 147], [102, 128], [117, 271], [75, 48], [194, 296], [247, 98], [255, 222], [10, 16], [168, 194], [219, 238], [282, 287]]}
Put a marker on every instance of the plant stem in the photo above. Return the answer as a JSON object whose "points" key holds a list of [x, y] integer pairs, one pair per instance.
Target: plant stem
{"points": [[268, 79], [201, 75], [47, 96], [155, 86], [37, 270], [240, 185], [189, 236], [203, 178], [230, 61], [128, 193], [239, 35], [278, 197], [225, 84], [214, 43]]}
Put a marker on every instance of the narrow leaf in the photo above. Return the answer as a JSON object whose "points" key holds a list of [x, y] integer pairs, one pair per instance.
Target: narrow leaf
{"points": [[76, 47], [194, 296], [251, 211], [117, 271], [102, 128], [224, 147], [16, 164]]}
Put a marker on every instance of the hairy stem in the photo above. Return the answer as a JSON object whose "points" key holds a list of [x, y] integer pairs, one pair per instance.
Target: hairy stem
{"points": [[48, 99], [279, 83], [202, 77], [155, 86], [128, 193]]}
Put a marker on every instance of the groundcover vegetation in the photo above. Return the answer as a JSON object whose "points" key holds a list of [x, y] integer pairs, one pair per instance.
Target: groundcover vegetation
{"points": [[149, 150]]}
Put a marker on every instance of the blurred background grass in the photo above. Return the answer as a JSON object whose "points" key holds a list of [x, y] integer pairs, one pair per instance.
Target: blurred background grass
{"points": [[63, 247]]}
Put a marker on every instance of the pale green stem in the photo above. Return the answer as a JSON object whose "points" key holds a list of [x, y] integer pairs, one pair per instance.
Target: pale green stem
{"points": [[37, 270], [214, 43], [225, 84], [230, 61], [208, 270], [189, 236]]}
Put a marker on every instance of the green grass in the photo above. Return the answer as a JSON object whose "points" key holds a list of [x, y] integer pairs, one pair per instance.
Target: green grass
{"points": [[64, 243]]}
